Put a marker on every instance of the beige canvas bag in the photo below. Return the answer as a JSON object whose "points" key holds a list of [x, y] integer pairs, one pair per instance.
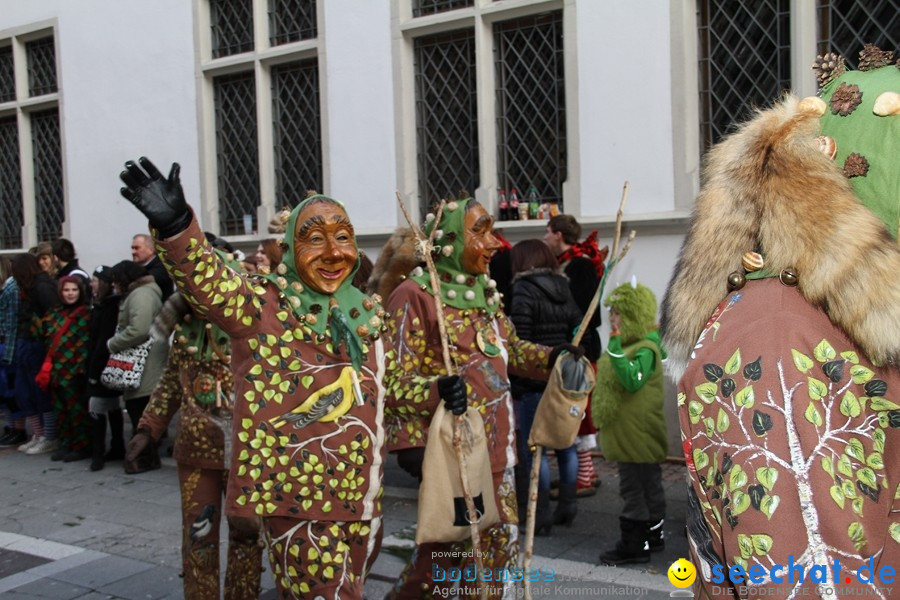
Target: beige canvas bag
{"points": [[442, 509], [563, 403]]}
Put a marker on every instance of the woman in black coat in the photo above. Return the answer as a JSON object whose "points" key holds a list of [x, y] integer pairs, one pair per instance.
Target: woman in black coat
{"points": [[104, 403], [543, 310]]}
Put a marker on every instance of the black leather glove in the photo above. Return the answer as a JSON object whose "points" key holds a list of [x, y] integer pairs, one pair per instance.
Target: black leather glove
{"points": [[452, 390], [576, 351], [160, 199], [141, 454], [410, 460]]}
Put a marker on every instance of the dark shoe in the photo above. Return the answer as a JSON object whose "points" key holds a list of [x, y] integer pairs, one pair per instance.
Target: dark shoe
{"points": [[13, 438], [97, 463], [585, 491], [543, 519], [567, 508], [59, 453], [632, 548], [115, 453], [656, 536], [76, 455]]}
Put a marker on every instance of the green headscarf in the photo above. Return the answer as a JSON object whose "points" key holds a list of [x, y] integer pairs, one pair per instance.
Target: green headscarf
{"points": [[636, 306], [458, 289], [870, 141], [346, 317]]}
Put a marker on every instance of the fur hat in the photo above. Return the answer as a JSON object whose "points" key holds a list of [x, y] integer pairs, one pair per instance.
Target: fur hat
{"points": [[636, 306]]}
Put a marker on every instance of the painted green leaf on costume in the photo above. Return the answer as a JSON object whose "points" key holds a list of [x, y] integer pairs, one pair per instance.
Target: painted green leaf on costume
{"points": [[855, 450], [737, 478], [817, 389], [827, 466], [722, 421], [706, 391], [700, 458], [857, 506], [894, 529], [875, 460], [812, 415], [802, 361], [740, 502], [762, 544], [745, 398], [860, 374], [867, 476], [848, 488], [878, 403], [823, 351], [845, 467], [734, 363], [769, 504], [850, 356], [857, 535], [710, 426], [695, 409], [767, 476], [837, 494], [878, 440], [745, 543], [850, 406]]}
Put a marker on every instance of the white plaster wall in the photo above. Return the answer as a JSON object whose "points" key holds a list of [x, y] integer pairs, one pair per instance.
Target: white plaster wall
{"points": [[360, 110], [126, 79], [625, 116]]}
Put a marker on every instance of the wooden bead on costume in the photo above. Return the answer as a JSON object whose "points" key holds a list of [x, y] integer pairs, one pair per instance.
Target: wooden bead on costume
{"points": [[752, 261]]}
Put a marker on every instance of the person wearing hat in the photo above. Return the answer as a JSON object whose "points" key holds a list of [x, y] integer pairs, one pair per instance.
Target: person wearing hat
{"points": [[307, 447], [484, 347], [782, 321], [104, 404]]}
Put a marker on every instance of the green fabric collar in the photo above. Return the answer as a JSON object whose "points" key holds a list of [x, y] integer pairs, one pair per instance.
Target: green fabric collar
{"points": [[458, 289], [346, 317]]}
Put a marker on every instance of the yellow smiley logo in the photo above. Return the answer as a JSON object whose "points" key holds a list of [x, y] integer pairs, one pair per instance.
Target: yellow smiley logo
{"points": [[682, 573]]}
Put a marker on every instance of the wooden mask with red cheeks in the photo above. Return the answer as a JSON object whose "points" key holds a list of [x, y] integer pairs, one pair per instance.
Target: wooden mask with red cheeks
{"points": [[479, 243], [324, 247]]}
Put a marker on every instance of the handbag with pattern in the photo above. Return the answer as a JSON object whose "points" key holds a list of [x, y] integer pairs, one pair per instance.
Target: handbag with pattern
{"points": [[124, 369]]}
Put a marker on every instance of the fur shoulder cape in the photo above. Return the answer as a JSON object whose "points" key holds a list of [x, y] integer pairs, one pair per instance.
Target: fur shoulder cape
{"points": [[768, 188]]}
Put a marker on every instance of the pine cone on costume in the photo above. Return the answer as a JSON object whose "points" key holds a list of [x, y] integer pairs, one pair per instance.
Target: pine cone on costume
{"points": [[827, 67], [279, 221], [845, 99], [872, 57], [856, 165]]}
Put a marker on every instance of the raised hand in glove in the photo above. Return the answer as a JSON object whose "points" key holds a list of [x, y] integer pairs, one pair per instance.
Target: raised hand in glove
{"points": [[160, 199], [452, 390], [576, 352]]}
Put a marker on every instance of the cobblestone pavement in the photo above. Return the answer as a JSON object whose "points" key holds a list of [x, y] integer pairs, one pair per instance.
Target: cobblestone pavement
{"points": [[67, 532]]}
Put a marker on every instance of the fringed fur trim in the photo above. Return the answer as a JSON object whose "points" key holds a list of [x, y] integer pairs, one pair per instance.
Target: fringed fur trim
{"points": [[769, 188], [397, 258]]}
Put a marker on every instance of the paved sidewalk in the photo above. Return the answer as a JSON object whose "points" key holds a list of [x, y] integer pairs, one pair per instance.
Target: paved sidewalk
{"points": [[66, 532]]}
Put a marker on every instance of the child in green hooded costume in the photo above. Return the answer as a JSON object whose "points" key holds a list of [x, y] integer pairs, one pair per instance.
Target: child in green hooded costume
{"points": [[308, 441], [627, 407]]}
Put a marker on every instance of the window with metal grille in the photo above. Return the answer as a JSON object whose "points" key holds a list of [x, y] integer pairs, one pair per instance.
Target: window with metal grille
{"points": [[745, 61], [231, 22], [297, 131], [291, 21], [430, 7], [7, 78], [237, 156], [446, 116], [48, 184], [845, 26], [10, 185], [531, 107], [41, 66]]}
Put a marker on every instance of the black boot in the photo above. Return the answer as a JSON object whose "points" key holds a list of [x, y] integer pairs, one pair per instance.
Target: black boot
{"points": [[656, 536], [98, 441], [632, 548], [543, 518], [117, 442], [567, 507]]}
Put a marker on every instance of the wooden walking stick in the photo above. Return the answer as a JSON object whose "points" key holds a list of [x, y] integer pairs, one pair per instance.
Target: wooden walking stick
{"points": [[585, 323], [425, 245]]}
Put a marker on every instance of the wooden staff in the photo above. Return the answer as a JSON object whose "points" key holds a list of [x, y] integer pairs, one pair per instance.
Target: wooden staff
{"points": [[425, 246], [585, 323]]}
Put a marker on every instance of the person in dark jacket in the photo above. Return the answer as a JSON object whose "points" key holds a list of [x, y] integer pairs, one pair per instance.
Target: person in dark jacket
{"points": [[104, 403], [543, 311], [37, 295], [67, 262]]}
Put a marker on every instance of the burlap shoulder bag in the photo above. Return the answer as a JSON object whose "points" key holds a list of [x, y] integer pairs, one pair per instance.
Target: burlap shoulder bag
{"points": [[563, 403], [442, 507]]}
